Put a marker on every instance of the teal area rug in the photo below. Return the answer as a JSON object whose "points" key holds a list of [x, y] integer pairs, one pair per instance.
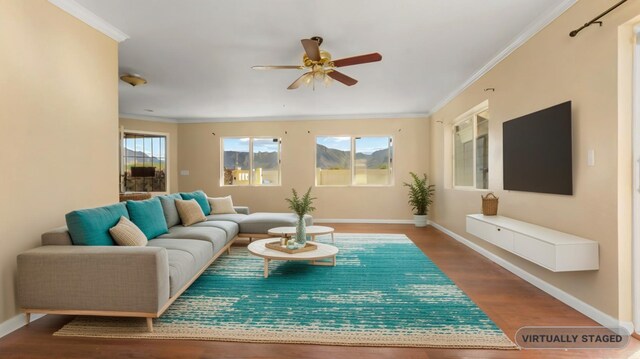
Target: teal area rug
{"points": [[383, 292]]}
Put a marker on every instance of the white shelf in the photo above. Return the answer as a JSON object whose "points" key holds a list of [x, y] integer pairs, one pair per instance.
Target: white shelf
{"points": [[553, 250]]}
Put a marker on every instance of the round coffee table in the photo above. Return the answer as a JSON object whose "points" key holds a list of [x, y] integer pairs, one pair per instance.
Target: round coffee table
{"points": [[324, 251], [313, 231]]}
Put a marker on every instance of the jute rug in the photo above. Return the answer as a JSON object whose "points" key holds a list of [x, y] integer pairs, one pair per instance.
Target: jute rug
{"points": [[383, 292]]}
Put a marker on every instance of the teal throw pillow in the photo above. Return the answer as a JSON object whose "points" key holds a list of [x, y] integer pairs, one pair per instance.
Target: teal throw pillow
{"points": [[148, 216], [201, 198], [90, 227], [169, 208]]}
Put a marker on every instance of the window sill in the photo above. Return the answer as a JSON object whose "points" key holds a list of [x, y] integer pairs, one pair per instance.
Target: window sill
{"points": [[356, 186], [250, 185], [470, 189]]}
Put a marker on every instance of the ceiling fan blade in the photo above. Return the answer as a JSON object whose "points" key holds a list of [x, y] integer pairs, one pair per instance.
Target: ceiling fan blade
{"points": [[299, 81], [339, 76], [277, 67], [311, 48], [362, 59]]}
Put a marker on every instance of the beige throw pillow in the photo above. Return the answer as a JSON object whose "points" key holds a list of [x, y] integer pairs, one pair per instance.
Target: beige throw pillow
{"points": [[126, 233], [190, 212], [221, 205]]}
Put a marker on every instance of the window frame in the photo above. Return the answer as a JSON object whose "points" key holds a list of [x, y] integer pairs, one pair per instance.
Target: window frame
{"points": [[353, 156], [472, 115], [167, 136], [251, 170]]}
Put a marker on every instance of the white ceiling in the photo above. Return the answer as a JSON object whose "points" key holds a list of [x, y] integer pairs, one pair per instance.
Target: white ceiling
{"points": [[197, 55]]}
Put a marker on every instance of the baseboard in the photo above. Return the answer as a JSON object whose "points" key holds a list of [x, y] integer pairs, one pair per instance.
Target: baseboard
{"points": [[370, 221], [16, 323], [568, 299]]}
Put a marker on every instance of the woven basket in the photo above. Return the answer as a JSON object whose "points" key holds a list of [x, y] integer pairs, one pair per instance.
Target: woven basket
{"points": [[489, 204]]}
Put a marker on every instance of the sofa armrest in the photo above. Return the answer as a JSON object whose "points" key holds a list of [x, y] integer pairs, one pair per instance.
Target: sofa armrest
{"points": [[93, 278], [241, 209], [57, 237]]}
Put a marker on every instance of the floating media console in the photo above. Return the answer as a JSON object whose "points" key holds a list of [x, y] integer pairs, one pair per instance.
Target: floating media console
{"points": [[553, 250]]}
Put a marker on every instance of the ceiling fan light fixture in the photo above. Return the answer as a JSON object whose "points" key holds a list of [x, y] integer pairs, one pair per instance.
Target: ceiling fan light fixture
{"points": [[308, 79], [321, 67], [133, 80], [327, 81]]}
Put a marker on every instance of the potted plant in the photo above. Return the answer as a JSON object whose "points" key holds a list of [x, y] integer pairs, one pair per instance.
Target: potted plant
{"points": [[301, 206], [420, 193]]}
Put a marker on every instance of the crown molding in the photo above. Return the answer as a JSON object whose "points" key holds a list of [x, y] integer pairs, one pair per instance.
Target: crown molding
{"points": [[536, 26], [147, 118], [89, 18], [382, 116], [388, 116]]}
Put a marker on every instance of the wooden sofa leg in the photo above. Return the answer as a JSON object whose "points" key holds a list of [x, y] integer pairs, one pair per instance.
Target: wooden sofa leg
{"points": [[150, 325], [27, 316], [229, 250]]}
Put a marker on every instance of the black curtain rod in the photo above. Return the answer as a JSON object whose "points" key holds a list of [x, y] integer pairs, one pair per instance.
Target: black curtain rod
{"points": [[595, 19]]}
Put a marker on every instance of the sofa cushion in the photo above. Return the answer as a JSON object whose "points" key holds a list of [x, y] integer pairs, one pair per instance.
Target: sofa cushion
{"points": [[215, 236], [169, 209], [190, 211], [148, 216], [186, 258], [261, 222], [90, 227], [201, 198], [126, 233], [235, 218], [230, 228], [221, 205]]}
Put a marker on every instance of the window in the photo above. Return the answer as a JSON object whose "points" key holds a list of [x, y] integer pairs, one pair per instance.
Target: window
{"points": [[333, 161], [470, 150], [357, 161], [249, 161], [143, 163]]}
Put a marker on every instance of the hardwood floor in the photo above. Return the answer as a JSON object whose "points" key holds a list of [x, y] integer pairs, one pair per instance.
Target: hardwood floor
{"points": [[508, 300]]}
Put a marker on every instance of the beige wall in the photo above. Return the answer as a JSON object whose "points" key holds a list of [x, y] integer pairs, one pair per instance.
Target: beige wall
{"points": [[549, 69], [58, 126], [162, 127], [199, 152]]}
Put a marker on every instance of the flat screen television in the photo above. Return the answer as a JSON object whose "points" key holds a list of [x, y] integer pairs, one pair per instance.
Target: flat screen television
{"points": [[537, 151]]}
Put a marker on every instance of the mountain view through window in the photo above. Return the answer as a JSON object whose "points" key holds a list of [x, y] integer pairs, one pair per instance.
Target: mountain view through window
{"points": [[342, 161], [251, 161], [143, 163]]}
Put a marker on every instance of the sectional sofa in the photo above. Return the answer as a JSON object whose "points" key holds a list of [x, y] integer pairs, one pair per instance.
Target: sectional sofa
{"points": [[63, 277]]}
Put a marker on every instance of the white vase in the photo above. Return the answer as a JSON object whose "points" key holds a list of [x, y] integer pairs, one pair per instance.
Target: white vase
{"points": [[420, 221]]}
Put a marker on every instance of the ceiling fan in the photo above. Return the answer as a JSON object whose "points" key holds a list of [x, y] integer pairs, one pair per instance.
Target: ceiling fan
{"points": [[319, 65]]}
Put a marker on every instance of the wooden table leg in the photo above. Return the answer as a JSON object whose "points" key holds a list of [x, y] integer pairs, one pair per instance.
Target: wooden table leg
{"points": [[328, 261], [333, 240], [266, 268]]}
